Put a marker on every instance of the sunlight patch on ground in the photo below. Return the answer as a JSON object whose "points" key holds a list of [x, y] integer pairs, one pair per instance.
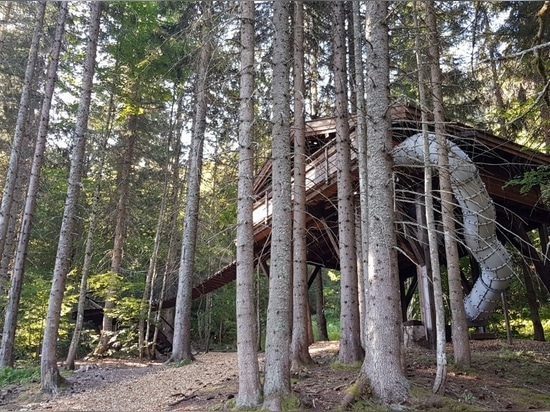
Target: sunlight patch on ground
{"points": [[324, 346]]}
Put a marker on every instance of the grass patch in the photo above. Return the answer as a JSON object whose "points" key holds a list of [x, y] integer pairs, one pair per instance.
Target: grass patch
{"points": [[183, 362], [527, 395], [10, 376], [338, 366], [423, 399]]}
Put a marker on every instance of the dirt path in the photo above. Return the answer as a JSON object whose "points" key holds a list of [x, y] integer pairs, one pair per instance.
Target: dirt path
{"points": [[503, 377]]}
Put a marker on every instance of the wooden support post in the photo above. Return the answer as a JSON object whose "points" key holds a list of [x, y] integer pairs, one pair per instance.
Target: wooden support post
{"points": [[314, 274], [543, 235], [424, 275], [506, 318], [266, 205], [327, 176], [332, 238]]}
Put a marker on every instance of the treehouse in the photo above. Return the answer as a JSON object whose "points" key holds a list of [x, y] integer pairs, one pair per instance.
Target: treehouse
{"points": [[492, 160], [487, 208]]}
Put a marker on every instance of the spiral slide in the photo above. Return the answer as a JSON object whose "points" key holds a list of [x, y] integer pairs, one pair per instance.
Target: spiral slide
{"points": [[479, 216]]}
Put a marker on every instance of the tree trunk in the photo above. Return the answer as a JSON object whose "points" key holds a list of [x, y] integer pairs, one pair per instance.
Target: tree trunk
{"points": [[50, 376], [174, 208], [361, 142], [533, 304], [86, 267], [431, 230], [249, 395], [383, 367], [299, 351], [6, 15], [11, 175], [181, 349], [433, 246], [350, 341], [320, 307], [279, 311], [147, 296], [107, 328], [497, 87], [540, 38], [10, 322], [461, 344], [13, 165]]}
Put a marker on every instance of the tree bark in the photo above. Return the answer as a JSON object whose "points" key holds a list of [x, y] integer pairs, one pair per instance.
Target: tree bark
{"points": [[13, 165], [533, 303], [461, 344], [6, 15], [107, 328], [279, 311], [181, 349], [145, 349], [361, 142], [439, 309], [542, 20], [7, 217], [320, 307], [383, 367], [249, 395], [95, 18], [350, 341], [50, 376], [175, 201], [299, 351], [432, 266], [10, 322]]}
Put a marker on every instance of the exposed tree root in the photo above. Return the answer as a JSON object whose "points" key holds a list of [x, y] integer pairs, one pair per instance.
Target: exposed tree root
{"points": [[359, 389]]}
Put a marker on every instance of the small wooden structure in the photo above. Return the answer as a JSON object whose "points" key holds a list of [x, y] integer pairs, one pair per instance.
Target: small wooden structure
{"points": [[498, 161]]}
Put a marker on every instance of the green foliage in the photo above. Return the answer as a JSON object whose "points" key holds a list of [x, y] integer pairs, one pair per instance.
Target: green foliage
{"points": [[10, 376], [333, 327], [126, 292], [540, 177], [521, 325], [32, 313], [290, 402]]}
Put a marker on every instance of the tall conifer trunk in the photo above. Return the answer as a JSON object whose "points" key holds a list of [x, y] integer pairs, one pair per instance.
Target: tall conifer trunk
{"points": [[279, 309], [93, 218], [300, 303], [461, 345], [249, 375], [12, 174], [383, 367], [10, 322], [350, 341], [49, 372], [181, 348]]}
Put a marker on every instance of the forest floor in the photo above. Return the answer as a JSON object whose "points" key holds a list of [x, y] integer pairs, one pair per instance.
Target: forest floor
{"points": [[502, 377]]}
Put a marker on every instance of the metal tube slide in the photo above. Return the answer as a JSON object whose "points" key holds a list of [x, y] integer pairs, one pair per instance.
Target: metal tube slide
{"points": [[478, 214]]}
